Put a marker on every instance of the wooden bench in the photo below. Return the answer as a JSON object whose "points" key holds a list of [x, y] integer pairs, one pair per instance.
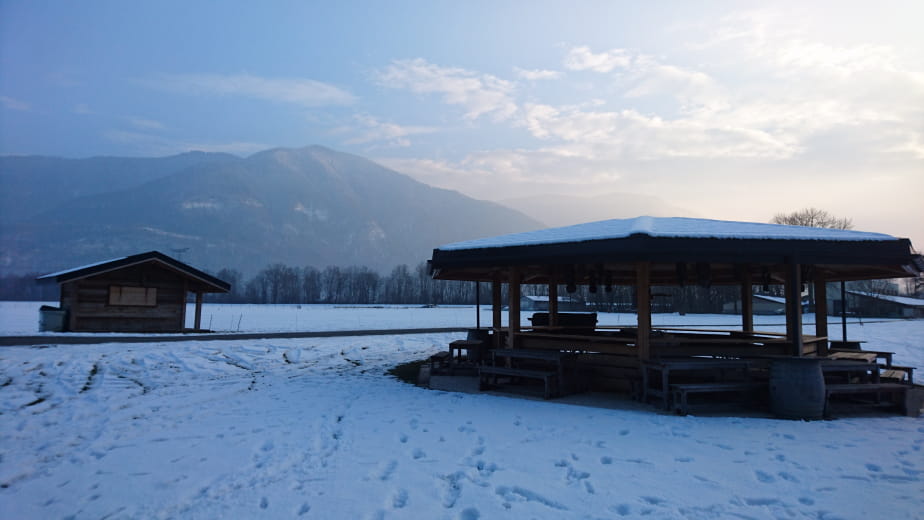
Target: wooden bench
{"points": [[681, 391], [439, 361], [864, 388], [898, 373], [656, 374], [548, 378], [869, 356]]}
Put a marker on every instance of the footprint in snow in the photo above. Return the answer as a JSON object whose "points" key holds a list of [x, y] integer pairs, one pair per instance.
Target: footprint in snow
{"points": [[874, 468], [621, 509], [766, 478], [399, 499], [469, 513], [606, 460], [386, 471], [418, 454]]}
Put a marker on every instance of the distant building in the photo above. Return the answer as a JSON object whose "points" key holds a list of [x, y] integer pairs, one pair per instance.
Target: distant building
{"points": [[885, 306], [541, 304], [140, 293], [762, 304]]}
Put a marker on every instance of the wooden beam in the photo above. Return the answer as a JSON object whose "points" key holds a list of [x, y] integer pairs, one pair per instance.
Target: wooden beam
{"points": [[843, 310], [794, 307], [821, 311], [513, 306], [477, 305], [553, 301], [198, 311], [747, 302], [643, 299], [496, 316]]}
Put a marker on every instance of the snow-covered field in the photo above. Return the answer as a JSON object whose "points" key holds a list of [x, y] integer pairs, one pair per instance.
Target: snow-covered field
{"points": [[314, 428], [21, 318]]}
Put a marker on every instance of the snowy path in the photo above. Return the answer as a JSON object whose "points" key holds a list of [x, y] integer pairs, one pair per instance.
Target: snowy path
{"points": [[314, 429]]}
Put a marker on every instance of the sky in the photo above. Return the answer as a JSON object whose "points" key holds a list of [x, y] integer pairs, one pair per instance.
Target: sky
{"points": [[729, 110]]}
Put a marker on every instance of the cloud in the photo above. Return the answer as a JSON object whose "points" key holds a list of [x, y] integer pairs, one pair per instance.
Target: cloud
{"points": [[368, 129], [146, 124], [537, 74], [582, 58], [14, 104], [479, 94], [303, 92]]}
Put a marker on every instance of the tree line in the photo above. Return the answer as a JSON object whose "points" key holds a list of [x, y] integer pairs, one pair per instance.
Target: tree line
{"points": [[279, 283], [282, 284], [360, 285]]}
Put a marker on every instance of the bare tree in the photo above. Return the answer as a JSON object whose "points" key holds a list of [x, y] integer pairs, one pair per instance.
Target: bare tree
{"points": [[812, 217]]}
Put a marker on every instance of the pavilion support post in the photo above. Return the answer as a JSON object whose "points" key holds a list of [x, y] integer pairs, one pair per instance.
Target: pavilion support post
{"points": [[496, 317], [747, 302], [478, 305], [794, 307], [553, 301], [198, 325], [821, 313], [513, 318], [843, 310], [643, 299]]}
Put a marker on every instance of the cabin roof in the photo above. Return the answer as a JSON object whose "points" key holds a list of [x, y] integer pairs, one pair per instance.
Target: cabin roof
{"points": [[207, 282]]}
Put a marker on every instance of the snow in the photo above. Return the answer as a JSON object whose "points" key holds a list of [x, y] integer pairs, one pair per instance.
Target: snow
{"points": [[314, 428], [675, 227], [75, 269], [903, 300]]}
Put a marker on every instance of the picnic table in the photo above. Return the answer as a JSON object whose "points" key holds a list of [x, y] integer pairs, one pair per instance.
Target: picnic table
{"points": [[659, 372], [553, 367]]}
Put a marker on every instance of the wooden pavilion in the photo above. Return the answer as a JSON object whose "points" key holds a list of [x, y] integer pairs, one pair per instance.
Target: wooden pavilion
{"points": [[646, 251], [139, 293]]}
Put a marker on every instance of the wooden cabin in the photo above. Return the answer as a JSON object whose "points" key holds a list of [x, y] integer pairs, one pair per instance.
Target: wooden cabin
{"points": [[140, 293]]}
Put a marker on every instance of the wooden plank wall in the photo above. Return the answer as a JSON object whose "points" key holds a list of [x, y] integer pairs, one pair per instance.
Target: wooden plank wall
{"points": [[87, 301]]}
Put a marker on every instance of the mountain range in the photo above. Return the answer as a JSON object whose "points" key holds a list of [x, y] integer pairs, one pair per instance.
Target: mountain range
{"points": [[306, 206]]}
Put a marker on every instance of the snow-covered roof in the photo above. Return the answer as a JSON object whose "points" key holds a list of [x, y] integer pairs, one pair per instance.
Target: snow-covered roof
{"points": [[774, 299], [903, 300], [211, 283], [673, 227], [75, 269]]}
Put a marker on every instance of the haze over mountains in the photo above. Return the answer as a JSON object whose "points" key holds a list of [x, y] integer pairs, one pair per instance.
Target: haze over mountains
{"points": [[563, 210], [306, 206]]}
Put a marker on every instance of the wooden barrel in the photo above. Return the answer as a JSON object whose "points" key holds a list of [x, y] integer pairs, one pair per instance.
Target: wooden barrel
{"points": [[797, 388]]}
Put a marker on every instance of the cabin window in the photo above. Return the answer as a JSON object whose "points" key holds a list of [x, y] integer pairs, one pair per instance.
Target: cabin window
{"points": [[133, 296]]}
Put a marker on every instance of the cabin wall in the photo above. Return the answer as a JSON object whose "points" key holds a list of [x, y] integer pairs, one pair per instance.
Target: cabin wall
{"points": [[90, 308]]}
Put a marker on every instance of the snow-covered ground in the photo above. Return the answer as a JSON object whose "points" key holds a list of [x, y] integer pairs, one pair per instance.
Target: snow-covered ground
{"points": [[21, 318], [314, 428]]}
